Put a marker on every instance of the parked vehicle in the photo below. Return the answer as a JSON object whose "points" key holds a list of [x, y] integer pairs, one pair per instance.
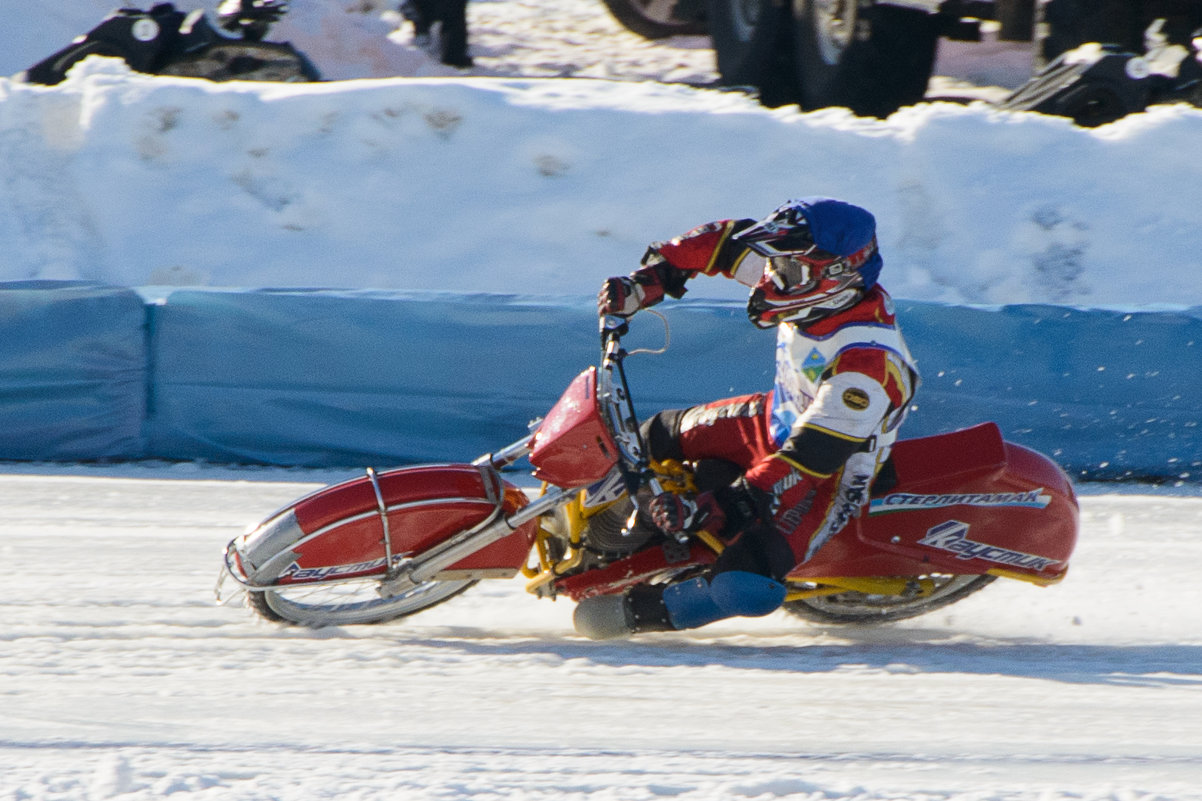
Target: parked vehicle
{"points": [[874, 56], [167, 41], [948, 515], [1095, 84]]}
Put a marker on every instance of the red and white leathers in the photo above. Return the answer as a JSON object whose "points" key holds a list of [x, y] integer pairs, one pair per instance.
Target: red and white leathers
{"points": [[844, 380]]}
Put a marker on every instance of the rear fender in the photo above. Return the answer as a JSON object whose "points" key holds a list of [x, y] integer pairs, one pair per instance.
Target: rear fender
{"points": [[967, 503]]}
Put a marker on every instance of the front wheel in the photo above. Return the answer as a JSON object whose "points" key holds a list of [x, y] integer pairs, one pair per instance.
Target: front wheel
{"points": [[348, 603], [862, 608]]}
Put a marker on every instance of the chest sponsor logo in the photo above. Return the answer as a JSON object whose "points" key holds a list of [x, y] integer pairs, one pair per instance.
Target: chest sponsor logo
{"points": [[952, 536], [813, 365], [902, 501]]}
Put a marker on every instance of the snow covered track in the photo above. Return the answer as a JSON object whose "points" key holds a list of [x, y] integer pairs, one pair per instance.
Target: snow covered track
{"points": [[120, 678]]}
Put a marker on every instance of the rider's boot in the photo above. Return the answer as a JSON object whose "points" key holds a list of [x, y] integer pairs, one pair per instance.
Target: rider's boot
{"points": [[608, 617], [684, 605]]}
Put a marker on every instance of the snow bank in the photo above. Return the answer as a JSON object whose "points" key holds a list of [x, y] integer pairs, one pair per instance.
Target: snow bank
{"points": [[548, 186]]}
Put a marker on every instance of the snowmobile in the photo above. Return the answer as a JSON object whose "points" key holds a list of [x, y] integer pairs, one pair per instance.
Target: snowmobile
{"points": [[947, 515], [1095, 83], [167, 41]]}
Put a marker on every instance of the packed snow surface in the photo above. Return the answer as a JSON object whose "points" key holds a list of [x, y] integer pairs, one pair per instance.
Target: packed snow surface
{"points": [[512, 178], [121, 680]]}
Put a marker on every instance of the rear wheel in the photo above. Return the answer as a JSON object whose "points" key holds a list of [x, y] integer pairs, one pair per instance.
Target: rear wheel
{"points": [[657, 19], [871, 59], [340, 604], [861, 608]]}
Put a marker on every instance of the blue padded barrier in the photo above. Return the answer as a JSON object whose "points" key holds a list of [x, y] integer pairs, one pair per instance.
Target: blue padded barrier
{"points": [[1107, 393], [72, 371], [319, 378], [323, 378], [346, 377]]}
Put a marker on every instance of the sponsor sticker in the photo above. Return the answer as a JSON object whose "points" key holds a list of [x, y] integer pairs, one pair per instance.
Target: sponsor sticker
{"points": [[145, 30], [813, 365], [856, 399], [904, 501], [607, 490], [297, 573], [952, 536]]}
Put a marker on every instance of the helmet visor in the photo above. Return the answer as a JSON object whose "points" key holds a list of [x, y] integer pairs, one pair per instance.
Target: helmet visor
{"points": [[791, 274]]}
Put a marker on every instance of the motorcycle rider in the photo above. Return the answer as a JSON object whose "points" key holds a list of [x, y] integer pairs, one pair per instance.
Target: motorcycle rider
{"points": [[779, 472]]}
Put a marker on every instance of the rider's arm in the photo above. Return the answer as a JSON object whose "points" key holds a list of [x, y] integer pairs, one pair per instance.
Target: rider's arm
{"points": [[666, 266], [705, 250]]}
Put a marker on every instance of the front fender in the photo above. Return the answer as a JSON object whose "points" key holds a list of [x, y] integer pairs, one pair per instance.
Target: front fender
{"points": [[367, 525]]}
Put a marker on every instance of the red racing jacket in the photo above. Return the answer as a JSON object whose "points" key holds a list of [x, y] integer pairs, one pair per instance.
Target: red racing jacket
{"points": [[842, 386]]}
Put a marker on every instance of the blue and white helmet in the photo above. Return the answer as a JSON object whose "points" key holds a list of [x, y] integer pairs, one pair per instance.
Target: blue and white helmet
{"points": [[821, 256]]}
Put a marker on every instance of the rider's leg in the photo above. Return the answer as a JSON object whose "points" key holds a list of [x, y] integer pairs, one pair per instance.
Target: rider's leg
{"points": [[732, 429], [744, 582]]}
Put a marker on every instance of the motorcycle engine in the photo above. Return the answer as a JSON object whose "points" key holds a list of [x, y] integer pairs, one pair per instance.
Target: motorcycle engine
{"points": [[606, 534]]}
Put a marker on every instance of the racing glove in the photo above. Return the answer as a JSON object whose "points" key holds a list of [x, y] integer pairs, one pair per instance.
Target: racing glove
{"points": [[678, 516], [624, 295], [784, 488]]}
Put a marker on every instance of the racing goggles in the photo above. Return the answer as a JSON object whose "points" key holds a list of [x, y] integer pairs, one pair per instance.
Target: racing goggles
{"points": [[800, 272]]}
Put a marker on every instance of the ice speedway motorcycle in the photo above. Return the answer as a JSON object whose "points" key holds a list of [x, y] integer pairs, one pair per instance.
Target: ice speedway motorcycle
{"points": [[166, 41], [948, 514]]}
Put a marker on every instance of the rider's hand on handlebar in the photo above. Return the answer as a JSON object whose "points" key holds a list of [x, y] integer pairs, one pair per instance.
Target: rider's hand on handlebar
{"points": [[620, 296], [676, 514]]}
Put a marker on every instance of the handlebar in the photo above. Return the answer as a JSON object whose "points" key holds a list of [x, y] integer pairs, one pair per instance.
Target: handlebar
{"points": [[614, 327]]}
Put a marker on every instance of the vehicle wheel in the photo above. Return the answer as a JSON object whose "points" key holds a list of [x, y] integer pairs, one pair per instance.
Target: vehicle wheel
{"points": [[857, 607], [244, 61], [317, 605], [750, 41], [872, 59], [658, 19]]}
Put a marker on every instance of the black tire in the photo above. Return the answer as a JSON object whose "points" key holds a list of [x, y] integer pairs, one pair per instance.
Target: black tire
{"points": [[245, 61], [659, 19], [751, 44], [857, 608], [872, 59], [317, 605], [1093, 105]]}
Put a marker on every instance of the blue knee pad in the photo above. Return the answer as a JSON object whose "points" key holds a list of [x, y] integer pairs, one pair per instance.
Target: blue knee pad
{"points": [[738, 592], [697, 602]]}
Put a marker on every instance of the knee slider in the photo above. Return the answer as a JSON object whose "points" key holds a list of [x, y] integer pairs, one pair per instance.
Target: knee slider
{"points": [[737, 592]]}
